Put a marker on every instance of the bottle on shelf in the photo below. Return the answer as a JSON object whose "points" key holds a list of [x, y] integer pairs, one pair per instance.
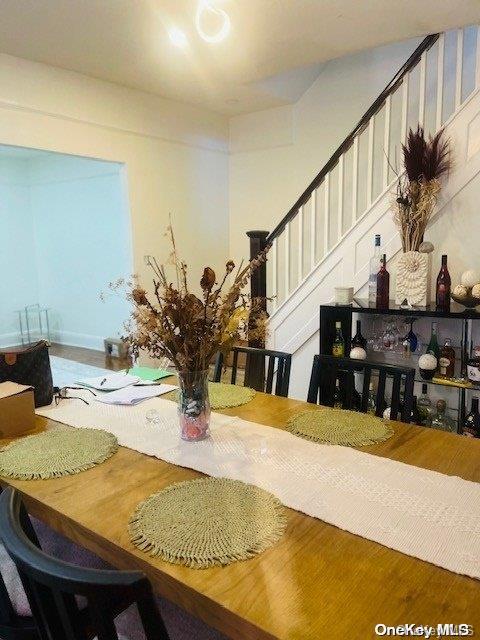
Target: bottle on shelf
{"points": [[441, 420], [358, 340], [337, 396], [372, 400], [415, 414], [424, 407], [473, 366], [444, 284], [338, 346], [471, 424], [374, 267], [433, 347], [446, 363], [383, 285], [411, 337]]}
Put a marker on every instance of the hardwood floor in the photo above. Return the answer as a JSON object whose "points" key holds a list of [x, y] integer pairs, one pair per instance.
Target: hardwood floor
{"points": [[89, 356], [100, 359]]}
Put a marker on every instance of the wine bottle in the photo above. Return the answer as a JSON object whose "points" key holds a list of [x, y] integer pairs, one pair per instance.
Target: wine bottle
{"points": [[415, 417], [374, 267], [441, 421], [358, 340], [444, 284], [338, 346], [383, 285], [471, 424], [337, 396], [371, 400], [433, 347], [447, 360], [424, 407]]}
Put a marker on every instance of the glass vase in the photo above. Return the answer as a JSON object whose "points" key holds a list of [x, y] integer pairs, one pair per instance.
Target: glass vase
{"points": [[193, 405]]}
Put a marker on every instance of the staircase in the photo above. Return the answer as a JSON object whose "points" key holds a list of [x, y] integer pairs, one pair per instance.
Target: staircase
{"points": [[325, 239]]}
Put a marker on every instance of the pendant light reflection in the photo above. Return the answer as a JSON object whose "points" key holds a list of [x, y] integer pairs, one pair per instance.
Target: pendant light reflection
{"points": [[177, 37], [205, 6]]}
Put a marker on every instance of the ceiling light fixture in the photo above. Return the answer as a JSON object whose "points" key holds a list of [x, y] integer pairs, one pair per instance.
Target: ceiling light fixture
{"points": [[204, 7], [177, 37]]}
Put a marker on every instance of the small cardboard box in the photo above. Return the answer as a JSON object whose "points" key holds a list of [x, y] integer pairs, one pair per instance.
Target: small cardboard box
{"points": [[17, 409]]}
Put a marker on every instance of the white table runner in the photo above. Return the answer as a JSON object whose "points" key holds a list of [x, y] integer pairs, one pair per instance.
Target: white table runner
{"points": [[421, 513]]}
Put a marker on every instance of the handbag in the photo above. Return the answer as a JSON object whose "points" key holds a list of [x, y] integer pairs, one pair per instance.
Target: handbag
{"points": [[29, 366]]}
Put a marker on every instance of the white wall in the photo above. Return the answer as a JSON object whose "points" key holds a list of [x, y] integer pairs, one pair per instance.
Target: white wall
{"points": [[175, 155], [65, 230], [82, 241], [18, 282], [276, 153], [454, 230]]}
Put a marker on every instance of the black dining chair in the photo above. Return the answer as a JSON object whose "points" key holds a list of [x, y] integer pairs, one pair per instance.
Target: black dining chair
{"points": [[326, 370], [14, 625], [273, 378], [54, 587]]}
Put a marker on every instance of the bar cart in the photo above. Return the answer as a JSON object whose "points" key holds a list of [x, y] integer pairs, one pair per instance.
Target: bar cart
{"points": [[332, 313]]}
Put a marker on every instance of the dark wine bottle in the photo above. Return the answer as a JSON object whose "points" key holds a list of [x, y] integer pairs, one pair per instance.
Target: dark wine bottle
{"points": [[415, 417], [338, 346], [383, 285], [444, 284], [471, 424], [358, 340]]}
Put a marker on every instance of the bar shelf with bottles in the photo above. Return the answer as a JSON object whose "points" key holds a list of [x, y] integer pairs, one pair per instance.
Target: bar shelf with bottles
{"points": [[453, 320], [347, 316]]}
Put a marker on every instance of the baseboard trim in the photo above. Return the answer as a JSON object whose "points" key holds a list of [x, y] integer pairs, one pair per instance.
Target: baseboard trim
{"points": [[10, 339], [73, 339]]}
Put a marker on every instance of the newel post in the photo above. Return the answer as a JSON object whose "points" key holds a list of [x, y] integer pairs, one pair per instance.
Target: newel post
{"points": [[255, 367], [258, 283]]}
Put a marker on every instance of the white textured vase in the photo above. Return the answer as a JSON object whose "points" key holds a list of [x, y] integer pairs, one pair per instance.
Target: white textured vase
{"points": [[413, 279]]}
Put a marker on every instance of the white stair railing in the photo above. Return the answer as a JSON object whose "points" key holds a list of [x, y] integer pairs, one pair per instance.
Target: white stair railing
{"points": [[434, 83]]}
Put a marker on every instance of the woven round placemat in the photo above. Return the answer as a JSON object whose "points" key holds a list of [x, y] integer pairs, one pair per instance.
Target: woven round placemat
{"points": [[338, 426], [56, 453], [224, 395], [207, 522]]}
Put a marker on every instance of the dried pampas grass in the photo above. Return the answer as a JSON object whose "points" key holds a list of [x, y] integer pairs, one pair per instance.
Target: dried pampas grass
{"points": [[425, 162]]}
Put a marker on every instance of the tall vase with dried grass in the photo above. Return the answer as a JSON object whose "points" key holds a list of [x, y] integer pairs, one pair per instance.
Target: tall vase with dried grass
{"points": [[426, 161], [189, 329]]}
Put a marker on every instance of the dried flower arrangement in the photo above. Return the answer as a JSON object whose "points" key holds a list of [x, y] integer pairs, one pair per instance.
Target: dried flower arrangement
{"points": [[187, 329], [425, 162]]}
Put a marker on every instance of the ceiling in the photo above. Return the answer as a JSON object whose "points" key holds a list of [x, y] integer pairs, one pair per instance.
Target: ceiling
{"points": [[273, 53]]}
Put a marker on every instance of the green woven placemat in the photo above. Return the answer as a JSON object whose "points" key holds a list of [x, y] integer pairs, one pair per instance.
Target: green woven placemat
{"points": [[338, 426], [56, 453], [207, 522], [223, 395]]}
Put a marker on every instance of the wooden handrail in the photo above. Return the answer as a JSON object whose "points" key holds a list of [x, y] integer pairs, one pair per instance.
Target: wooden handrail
{"points": [[346, 144]]}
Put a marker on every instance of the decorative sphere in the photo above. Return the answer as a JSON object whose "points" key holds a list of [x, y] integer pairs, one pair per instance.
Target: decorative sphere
{"points": [[358, 353], [427, 365], [427, 361], [461, 292], [476, 291], [470, 278], [426, 247]]}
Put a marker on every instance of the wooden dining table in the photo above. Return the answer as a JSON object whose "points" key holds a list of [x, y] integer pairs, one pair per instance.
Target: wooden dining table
{"points": [[318, 582]]}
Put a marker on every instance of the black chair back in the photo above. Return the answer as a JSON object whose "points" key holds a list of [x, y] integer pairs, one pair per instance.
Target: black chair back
{"points": [[52, 585], [12, 625], [327, 370], [257, 375]]}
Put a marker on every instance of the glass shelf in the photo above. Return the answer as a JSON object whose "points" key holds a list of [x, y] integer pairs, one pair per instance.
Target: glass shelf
{"points": [[360, 305]]}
